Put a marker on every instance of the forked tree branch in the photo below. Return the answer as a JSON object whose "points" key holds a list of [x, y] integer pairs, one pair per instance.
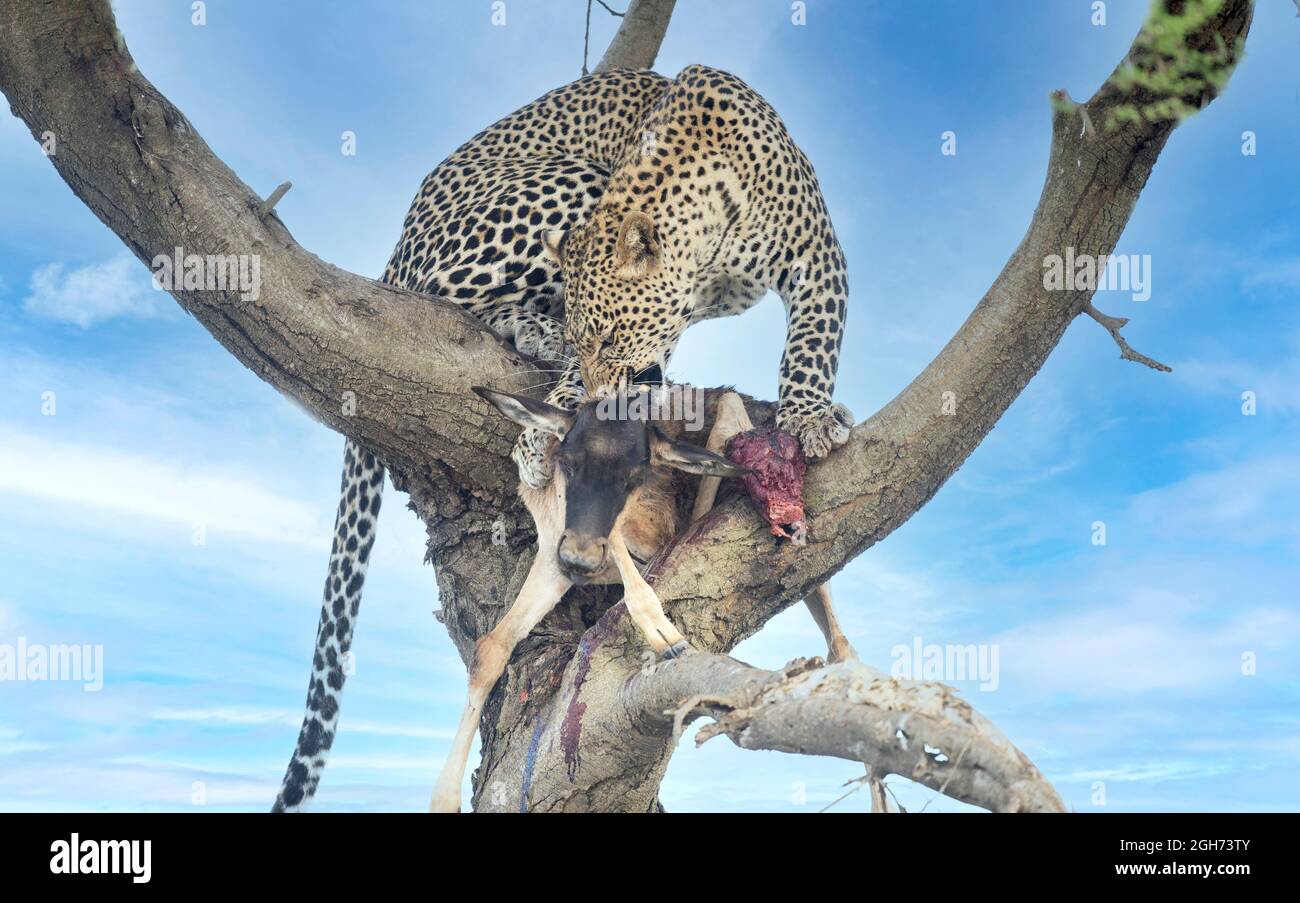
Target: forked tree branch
{"points": [[1113, 325], [324, 336]]}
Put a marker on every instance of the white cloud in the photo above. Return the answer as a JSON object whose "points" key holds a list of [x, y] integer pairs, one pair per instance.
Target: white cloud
{"points": [[238, 715], [88, 295], [395, 730], [1159, 770], [12, 742], [156, 488], [1247, 501], [118, 784], [1153, 641], [1283, 274], [389, 763], [8, 621], [1273, 384], [252, 715]]}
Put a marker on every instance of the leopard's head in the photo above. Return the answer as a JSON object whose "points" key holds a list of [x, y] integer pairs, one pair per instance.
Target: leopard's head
{"points": [[626, 301]]}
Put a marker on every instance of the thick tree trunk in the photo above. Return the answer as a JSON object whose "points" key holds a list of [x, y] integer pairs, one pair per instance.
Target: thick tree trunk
{"points": [[580, 720]]}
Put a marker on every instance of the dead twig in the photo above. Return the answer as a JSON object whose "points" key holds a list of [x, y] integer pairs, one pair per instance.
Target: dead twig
{"points": [[1113, 325]]}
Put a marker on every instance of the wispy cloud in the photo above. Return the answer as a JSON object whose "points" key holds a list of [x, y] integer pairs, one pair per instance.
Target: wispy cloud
{"points": [[119, 287], [8, 618], [1152, 642], [253, 716], [1148, 771], [1273, 384], [155, 488], [1247, 501], [1283, 274], [13, 741], [389, 763], [231, 715]]}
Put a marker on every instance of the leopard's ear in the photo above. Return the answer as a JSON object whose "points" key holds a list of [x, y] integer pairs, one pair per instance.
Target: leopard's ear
{"points": [[637, 251], [553, 241]]}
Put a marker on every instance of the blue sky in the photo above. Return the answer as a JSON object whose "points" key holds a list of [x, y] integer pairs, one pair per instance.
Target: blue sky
{"points": [[1119, 664]]}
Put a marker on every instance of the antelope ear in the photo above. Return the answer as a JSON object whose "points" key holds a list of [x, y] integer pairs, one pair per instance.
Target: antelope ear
{"points": [[553, 242], [637, 250], [690, 458], [528, 413]]}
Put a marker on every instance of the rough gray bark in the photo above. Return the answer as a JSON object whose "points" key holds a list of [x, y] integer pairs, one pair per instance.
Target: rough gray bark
{"points": [[317, 332], [636, 43]]}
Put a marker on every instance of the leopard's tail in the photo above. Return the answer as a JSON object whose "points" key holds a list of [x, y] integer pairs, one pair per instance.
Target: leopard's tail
{"points": [[354, 535]]}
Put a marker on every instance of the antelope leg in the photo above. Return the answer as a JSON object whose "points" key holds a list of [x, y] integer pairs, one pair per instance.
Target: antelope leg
{"points": [[838, 647], [731, 419], [642, 603], [542, 589]]}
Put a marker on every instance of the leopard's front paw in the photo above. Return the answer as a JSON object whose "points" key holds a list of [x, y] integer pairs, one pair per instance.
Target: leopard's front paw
{"points": [[819, 433], [528, 340], [531, 455], [539, 338]]}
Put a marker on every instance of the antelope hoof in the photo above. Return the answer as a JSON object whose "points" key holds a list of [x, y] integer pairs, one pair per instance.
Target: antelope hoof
{"points": [[842, 651], [676, 650]]}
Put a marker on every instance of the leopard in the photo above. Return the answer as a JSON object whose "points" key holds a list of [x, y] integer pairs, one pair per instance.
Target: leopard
{"points": [[712, 208], [589, 229]]}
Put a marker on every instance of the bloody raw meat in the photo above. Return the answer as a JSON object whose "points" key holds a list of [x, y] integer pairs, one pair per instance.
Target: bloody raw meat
{"points": [[775, 481]]}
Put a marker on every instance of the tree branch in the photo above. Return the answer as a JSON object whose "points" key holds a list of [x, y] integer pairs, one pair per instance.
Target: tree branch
{"points": [[616, 710], [639, 36], [272, 199], [921, 731], [321, 335], [1113, 325]]}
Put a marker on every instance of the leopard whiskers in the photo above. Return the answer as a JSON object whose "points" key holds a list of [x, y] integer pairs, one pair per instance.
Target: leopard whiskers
{"points": [[542, 384]]}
